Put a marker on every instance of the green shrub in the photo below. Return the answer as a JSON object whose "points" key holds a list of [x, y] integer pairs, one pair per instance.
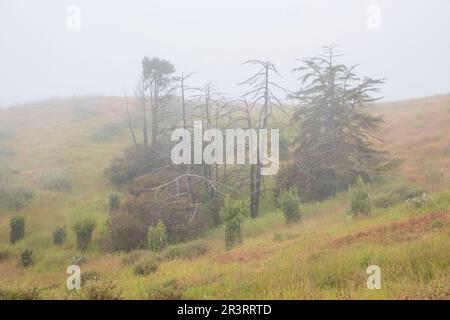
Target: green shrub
{"points": [[26, 258], [187, 251], [102, 290], [146, 267], [56, 182], [83, 230], [360, 199], [114, 202], [8, 293], [17, 229], [168, 290], [59, 235], [290, 203], [233, 212], [15, 198], [157, 237], [437, 224]]}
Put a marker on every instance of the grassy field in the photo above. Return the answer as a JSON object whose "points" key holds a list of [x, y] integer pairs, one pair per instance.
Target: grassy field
{"points": [[325, 256]]}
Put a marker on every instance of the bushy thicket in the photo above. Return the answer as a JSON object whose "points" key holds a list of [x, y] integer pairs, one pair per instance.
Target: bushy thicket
{"points": [[290, 203], [83, 230], [146, 267], [15, 293], [114, 202], [17, 229], [233, 213], [126, 232], [187, 250], [360, 199], [397, 196], [157, 237], [102, 290], [170, 289]]}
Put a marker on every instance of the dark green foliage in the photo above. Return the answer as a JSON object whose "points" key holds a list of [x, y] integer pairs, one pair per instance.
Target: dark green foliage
{"points": [[59, 235], [233, 212], [334, 140], [59, 182], [83, 230], [157, 237], [17, 229], [26, 258], [360, 199], [187, 251], [168, 290], [126, 232], [290, 203], [15, 198], [146, 267], [9, 293], [114, 202]]}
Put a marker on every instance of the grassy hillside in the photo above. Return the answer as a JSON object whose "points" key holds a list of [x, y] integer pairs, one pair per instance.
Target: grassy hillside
{"points": [[323, 256]]}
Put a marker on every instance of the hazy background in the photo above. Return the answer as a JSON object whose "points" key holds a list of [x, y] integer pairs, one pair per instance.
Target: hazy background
{"points": [[41, 58]]}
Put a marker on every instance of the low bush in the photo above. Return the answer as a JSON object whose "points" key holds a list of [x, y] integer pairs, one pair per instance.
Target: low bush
{"points": [[146, 267], [89, 276], [83, 230], [187, 251], [59, 182], [168, 290], [17, 229], [114, 202], [9, 293], [397, 196], [107, 132], [157, 237], [360, 199], [15, 198], [59, 235], [233, 212], [26, 258], [290, 203], [102, 290], [126, 232]]}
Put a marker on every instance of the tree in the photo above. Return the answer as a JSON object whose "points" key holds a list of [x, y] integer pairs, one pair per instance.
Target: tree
{"points": [[233, 212], [335, 135], [156, 78], [17, 225], [262, 90]]}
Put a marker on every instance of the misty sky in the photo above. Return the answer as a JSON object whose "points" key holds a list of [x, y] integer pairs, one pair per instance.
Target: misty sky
{"points": [[41, 58]]}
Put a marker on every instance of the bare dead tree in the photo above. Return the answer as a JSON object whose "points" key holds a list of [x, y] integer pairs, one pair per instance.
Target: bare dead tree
{"points": [[129, 121]]}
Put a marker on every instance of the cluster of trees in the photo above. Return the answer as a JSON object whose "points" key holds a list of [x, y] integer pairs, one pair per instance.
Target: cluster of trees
{"points": [[330, 138]]}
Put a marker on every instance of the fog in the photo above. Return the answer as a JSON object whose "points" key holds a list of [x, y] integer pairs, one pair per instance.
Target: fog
{"points": [[40, 57]]}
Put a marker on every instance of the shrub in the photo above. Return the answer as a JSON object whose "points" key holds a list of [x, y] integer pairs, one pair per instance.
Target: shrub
{"points": [[397, 196], [233, 212], [102, 290], [56, 182], [437, 224], [114, 202], [146, 267], [360, 199], [15, 198], [59, 235], [126, 232], [290, 203], [4, 255], [17, 225], [78, 260], [107, 132], [89, 276], [168, 290], [83, 230], [26, 258], [7, 293], [157, 237], [189, 250]]}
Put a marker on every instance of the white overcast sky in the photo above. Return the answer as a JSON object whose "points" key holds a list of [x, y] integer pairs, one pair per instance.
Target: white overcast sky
{"points": [[41, 58]]}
